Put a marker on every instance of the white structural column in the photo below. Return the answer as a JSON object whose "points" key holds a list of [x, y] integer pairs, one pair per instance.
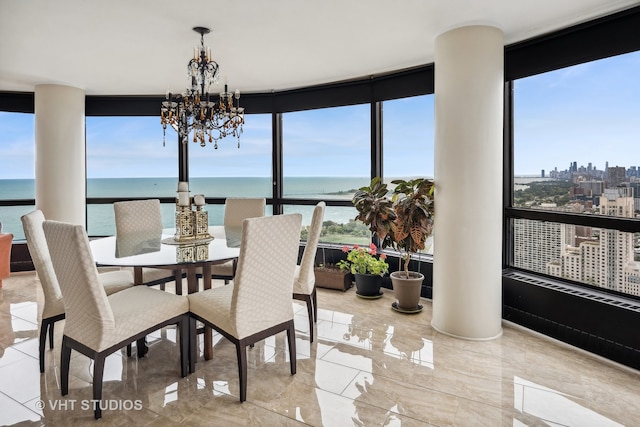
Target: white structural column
{"points": [[469, 86], [60, 153]]}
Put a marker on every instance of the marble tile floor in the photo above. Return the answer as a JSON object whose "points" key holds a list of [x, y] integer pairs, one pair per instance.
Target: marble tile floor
{"points": [[369, 366]]}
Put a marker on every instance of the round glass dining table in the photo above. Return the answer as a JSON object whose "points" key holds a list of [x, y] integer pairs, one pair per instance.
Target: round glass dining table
{"points": [[150, 249], [153, 250]]}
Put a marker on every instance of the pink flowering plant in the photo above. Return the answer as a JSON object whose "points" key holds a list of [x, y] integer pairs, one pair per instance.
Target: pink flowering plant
{"points": [[363, 260]]}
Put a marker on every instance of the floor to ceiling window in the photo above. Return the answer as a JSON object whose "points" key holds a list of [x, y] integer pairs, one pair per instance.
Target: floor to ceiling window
{"points": [[407, 141], [126, 159], [576, 151], [407, 137], [17, 174], [327, 155], [232, 171]]}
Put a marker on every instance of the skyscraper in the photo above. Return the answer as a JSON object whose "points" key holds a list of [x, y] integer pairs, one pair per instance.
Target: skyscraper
{"points": [[617, 176], [599, 257]]}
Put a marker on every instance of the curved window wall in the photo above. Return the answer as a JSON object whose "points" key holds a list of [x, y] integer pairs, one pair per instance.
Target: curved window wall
{"points": [[326, 155], [232, 171], [126, 159], [17, 174], [408, 141], [576, 152], [408, 129], [326, 152]]}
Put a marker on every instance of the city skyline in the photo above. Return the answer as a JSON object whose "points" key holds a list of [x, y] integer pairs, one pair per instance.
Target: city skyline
{"points": [[584, 112]]}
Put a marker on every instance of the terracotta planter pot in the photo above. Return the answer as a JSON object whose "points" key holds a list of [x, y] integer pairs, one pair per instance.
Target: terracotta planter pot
{"points": [[332, 278], [407, 291], [368, 285]]}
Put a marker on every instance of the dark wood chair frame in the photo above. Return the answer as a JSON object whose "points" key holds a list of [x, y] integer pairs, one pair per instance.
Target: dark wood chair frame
{"points": [[69, 344], [47, 326], [178, 275], [223, 277], [312, 308], [241, 347]]}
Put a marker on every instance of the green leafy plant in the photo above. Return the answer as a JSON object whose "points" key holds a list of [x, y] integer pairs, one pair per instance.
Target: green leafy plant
{"points": [[403, 218], [375, 209], [361, 260]]}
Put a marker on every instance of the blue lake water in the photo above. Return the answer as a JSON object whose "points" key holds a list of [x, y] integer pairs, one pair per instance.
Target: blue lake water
{"points": [[100, 217]]}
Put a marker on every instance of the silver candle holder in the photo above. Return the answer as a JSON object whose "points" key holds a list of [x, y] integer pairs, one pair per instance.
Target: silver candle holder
{"points": [[192, 220]]}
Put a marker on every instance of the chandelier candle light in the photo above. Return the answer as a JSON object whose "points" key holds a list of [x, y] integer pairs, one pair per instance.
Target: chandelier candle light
{"points": [[195, 111]]}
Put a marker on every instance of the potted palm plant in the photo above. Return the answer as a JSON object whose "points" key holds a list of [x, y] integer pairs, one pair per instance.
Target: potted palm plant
{"points": [[403, 222]]}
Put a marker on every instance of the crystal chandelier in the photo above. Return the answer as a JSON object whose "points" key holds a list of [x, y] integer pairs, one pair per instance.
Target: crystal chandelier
{"points": [[195, 110]]}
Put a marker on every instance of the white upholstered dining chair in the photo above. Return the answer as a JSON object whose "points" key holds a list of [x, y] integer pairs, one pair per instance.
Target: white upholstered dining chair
{"points": [[112, 281], [304, 285], [144, 217], [258, 304], [236, 210], [98, 325]]}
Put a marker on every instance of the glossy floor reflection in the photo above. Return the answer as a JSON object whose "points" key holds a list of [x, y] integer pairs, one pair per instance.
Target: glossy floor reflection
{"points": [[368, 366]]}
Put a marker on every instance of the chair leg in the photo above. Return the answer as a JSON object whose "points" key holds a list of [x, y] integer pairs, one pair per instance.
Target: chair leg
{"points": [[308, 301], [44, 325], [193, 347], [177, 278], [129, 350], [291, 337], [183, 325], [314, 297], [241, 350], [65, 358], [142, 348], [51, 325], [98, 372]]}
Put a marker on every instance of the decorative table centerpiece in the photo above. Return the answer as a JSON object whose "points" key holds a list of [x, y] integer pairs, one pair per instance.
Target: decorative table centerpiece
{"points": [[192, 220]]}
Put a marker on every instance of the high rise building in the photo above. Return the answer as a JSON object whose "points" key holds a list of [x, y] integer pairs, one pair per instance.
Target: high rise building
{"points": [[594, 256], [601, 257], [592, 188], [617, 176], [538, 243]]}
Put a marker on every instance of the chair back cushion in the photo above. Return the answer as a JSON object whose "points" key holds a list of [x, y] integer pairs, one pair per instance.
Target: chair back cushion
{"points": [[138, 226], [236, 210], [138, 215], [306, 278], [39, 250], [264, 278], [88, 315]]}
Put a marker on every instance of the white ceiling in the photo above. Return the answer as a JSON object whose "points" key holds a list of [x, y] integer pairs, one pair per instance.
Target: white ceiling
{"points": [[127, 47]]}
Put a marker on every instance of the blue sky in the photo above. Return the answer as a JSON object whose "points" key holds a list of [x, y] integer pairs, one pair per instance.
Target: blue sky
{"points": [[586, 113]]}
